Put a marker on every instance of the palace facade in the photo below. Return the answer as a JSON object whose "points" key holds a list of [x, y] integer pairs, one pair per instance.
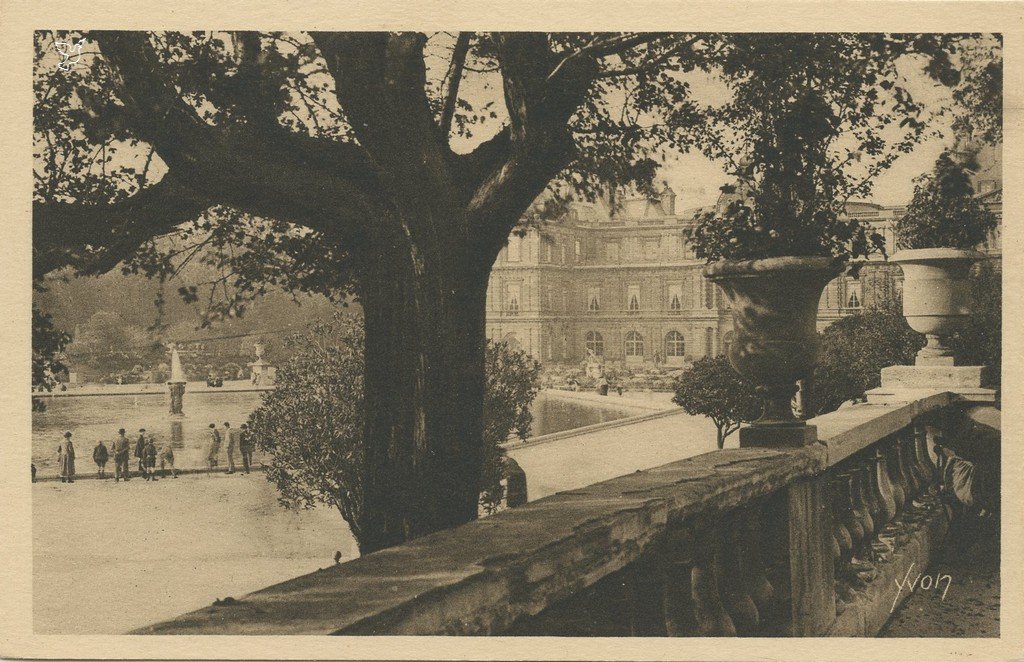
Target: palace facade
{"points": [[626, 285]]}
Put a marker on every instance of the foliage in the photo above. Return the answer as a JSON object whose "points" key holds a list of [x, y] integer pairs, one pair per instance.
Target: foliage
{"points": [[812, 119], [48, 345], [980, 341], [979, 94], [710, 387], [108, 345], [311, 424], [854, 350], [944, 212]]}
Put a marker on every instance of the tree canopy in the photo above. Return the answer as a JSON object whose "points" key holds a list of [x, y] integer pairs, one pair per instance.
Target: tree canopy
{"points": [[710, 387]]}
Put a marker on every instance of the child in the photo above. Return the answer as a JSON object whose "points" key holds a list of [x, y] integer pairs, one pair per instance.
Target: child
{"points": [[149, 458], [100, 457]]}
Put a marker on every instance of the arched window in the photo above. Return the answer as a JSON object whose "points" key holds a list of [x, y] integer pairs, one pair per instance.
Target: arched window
{"points": [[854, 291], [675, 305], [634, 344], [674, 344], [634, 304], [595, 343]]}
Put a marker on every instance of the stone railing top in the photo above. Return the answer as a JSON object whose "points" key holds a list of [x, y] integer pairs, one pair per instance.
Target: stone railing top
{"points": [[848, 430], [480, 577]]}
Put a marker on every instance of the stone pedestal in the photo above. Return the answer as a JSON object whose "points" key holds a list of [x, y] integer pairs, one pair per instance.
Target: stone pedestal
{"points": [[177, 397], [768, 436], [905, 382]]}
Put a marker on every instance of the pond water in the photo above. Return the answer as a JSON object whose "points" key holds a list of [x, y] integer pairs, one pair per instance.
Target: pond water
{"points": [[92, 418]]}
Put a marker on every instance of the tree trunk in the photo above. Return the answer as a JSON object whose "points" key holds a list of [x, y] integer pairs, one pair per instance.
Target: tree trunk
{"points": [[424, 393]]}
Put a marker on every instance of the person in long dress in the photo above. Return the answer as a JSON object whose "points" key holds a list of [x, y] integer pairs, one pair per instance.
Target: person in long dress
{"points": [[214, 452], [66, 458]]}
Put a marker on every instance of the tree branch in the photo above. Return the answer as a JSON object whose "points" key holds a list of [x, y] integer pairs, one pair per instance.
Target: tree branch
{"points": [[322, 184], [458, 63], [108, 233]]}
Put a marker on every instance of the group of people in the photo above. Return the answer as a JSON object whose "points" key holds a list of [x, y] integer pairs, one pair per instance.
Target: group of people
{"points": [[236, 438], [148, 454], [145, 451]]}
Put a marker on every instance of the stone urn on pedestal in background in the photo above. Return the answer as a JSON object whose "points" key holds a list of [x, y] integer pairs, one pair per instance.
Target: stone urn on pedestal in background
{"points": [[936, 296], [774, 308]]}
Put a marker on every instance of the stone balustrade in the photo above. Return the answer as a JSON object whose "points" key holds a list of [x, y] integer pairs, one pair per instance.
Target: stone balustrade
{"points": [[750, 541]]}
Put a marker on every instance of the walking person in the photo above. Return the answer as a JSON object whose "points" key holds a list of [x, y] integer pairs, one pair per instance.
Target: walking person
{"points": [[232, 437], [122, 448], [167, 459], [100, 457], [245, 446], [66, 459], [214, 452], [149, 458], [140, 445]]}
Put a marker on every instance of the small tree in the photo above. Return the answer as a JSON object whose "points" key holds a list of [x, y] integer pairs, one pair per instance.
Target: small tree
{"points": [[311, 425], [855, 349], [710, 387]]}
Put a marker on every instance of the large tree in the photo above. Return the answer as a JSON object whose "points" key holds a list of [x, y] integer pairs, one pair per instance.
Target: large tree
{"points": [[337, 161]]}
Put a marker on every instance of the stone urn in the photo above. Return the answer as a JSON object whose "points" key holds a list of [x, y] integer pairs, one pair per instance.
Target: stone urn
{"points": [[936, 296], [774, 310]]}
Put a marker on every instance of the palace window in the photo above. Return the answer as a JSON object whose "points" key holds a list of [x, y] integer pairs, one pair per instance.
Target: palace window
{"points": [[595, 343], [674, 344], [675, 299], [854, 292], [633, 299], [578, 249], [512, 302], [634, 344], [709, 294], [594, 299]]}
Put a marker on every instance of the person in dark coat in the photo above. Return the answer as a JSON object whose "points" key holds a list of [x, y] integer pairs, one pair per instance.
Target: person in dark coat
{"points": [[140, 445], [232, 437], [100, 457], [245, 446], [149, 458], [121, 448], [66, 459]]}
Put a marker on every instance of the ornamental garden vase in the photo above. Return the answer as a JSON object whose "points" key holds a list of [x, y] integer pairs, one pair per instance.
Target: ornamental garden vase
{"points": [[936, 296], [774, 308]]}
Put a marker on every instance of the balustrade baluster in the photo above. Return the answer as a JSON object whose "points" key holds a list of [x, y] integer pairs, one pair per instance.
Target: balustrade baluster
{"points": [[842, 514], [709, 612], [883, 491], [851, 522], [860, 486], [735, 597], [760, 589], [924, 456], [677, 596], [890, 466], [870, 495], [906, 444]]}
